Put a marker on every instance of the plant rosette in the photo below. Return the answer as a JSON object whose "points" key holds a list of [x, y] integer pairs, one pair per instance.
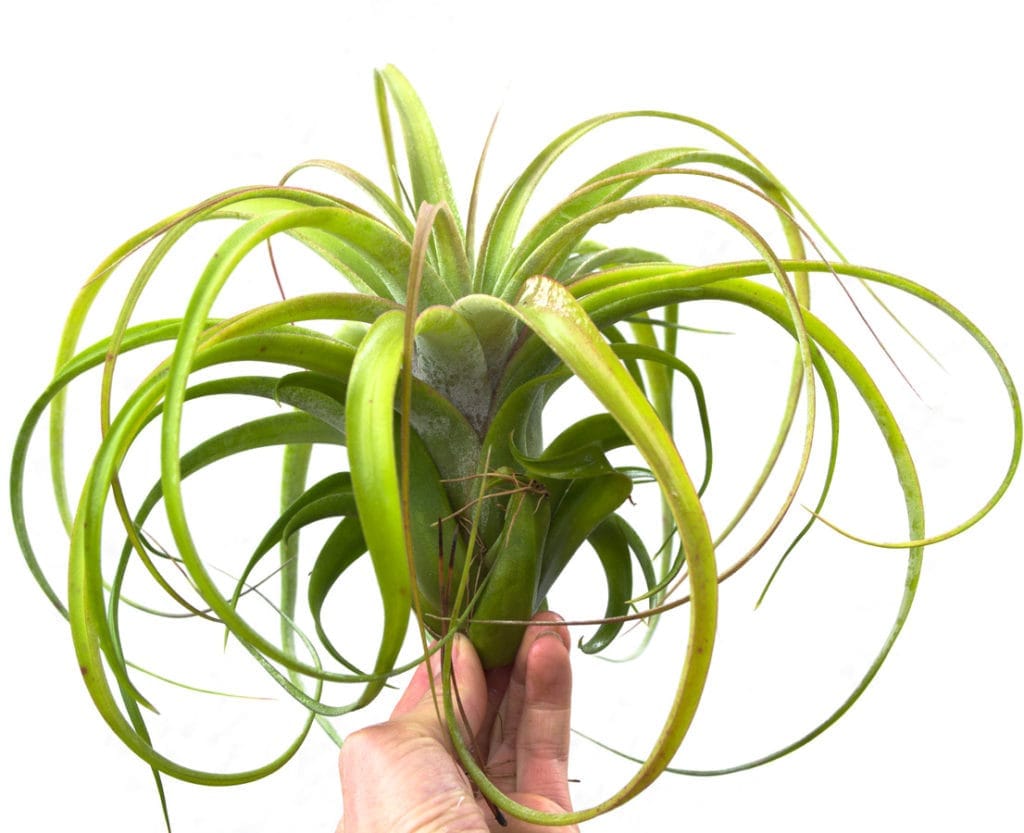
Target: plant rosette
{"points": [[434, 367]]}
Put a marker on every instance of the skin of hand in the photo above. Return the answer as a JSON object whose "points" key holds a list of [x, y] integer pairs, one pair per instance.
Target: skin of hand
{"points": [[403, 777]]}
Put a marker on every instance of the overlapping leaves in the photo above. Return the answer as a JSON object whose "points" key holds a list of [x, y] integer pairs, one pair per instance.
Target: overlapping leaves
{"points": [[436, 384]]}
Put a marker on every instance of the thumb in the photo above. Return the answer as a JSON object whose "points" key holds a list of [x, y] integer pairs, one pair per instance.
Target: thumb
{"points": [[422, 704]]}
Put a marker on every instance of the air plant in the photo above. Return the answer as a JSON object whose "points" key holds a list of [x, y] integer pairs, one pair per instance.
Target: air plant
{"points": [[434, 370]]}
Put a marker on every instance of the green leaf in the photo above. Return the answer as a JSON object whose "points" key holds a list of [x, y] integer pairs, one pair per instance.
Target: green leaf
{"points": [[653, 354], [584, 461], [391, 208], [370, 423], [329, 498], [583, 505], [295, 470], [510, 592], [430, 182], [554, 315], [613, 299], [450, 358], [612, 549], [343, 547]]}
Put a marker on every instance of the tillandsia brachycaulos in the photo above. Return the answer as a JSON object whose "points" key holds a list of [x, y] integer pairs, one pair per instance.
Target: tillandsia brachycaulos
{"points": [[433, 366]]}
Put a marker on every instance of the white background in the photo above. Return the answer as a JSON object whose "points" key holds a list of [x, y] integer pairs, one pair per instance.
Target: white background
{"points": [[898, 129]]}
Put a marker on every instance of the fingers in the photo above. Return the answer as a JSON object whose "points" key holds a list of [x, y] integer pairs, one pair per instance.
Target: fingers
{"points": [[530, 740], [417, 703], [401, 775], [497, 686], [542, 741], [514, 825]]}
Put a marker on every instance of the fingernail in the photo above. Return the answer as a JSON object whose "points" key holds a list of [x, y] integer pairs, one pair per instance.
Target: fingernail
{"points": [[560, 635], [437, 658], [458, 647], [436, 662]]}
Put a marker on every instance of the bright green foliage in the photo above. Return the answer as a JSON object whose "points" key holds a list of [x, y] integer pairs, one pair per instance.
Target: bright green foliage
{"points": [[445, 357]]}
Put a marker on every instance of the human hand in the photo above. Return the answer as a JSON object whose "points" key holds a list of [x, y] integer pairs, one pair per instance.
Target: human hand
{"points": [[403, 777]]}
